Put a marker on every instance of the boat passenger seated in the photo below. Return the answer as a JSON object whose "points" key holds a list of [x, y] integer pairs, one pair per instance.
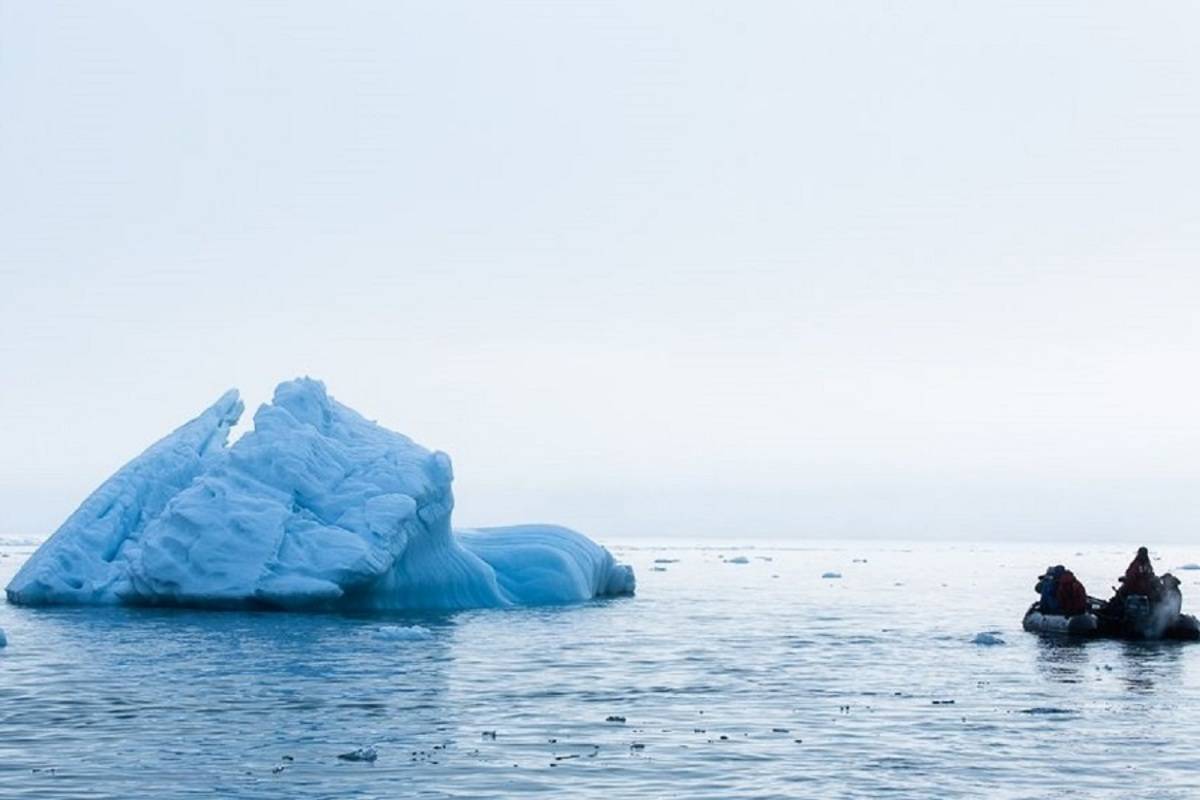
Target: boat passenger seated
{"points": [[1047, 588], [1139, 577], [1071, 595]]}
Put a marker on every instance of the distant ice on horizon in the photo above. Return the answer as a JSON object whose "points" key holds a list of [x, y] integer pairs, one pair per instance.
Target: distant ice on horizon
{"points": [[317, 507]]}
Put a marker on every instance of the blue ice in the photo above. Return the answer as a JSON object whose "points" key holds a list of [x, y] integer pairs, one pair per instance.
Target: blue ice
{"points": [[315, 508]]}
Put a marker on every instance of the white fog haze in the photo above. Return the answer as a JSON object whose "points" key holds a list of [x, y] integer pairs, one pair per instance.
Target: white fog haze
{"points": [[646, 269]]}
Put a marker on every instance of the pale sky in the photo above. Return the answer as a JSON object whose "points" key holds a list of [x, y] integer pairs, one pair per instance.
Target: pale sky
{"points": [[787, 269]]}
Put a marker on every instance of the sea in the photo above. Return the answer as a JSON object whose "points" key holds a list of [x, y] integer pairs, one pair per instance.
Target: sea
{"points": [[848, 669]]}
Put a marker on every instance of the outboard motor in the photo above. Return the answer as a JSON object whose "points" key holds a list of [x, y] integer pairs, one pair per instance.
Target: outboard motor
{"points": [[1157, 616], [1136, 620]]}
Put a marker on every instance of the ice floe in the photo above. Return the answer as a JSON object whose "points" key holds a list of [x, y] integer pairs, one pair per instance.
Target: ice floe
{"points": [[987, 638], [403, 633]]}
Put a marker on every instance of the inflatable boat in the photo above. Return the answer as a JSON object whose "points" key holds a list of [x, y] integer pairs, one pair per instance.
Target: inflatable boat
{"points": [[1087, 624], [1130, 617]]}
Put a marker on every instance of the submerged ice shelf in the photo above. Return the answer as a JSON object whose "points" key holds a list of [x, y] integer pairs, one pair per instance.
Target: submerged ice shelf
{"points": [[316, 508]]}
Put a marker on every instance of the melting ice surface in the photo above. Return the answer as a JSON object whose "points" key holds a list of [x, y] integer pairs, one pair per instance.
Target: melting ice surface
{"points": [[316, 508]]}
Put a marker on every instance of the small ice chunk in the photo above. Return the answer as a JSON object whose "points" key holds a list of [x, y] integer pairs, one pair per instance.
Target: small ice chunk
{"points": [[831, 575], [737, 560], [403, 633], [666, 561], [367, 753], [1191, 566], [987, 638], [3, 638]]}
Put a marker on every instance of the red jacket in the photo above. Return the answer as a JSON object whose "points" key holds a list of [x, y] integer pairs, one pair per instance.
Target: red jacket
{"points": [[1071, 595], [1139, 578]]}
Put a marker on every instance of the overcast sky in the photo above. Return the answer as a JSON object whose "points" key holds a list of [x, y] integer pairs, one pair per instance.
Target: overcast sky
{"points": [[642, 268]]}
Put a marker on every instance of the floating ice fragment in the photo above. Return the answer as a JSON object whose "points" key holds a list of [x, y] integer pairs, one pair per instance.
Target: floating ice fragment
{"points": [[615, 718], [737, 560], [3, 638], [831, 575], [403, 633], [367, 753], [987, 638], [666, 561], [1192, 566]]}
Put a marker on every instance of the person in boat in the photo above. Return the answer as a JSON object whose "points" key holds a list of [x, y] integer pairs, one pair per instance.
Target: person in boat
{"points": [[1139, 577], [1071, 595], [1047, 589]]}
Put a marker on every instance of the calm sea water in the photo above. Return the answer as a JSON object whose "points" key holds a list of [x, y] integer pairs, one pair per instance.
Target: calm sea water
{"points": [[735, 680]]}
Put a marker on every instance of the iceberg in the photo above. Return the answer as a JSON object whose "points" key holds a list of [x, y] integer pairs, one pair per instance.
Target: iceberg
{"points": [[315, 508]]}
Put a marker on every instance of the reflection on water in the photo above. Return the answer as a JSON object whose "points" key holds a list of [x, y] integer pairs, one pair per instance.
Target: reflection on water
{"points": [[719, 680], [1140, 666], [1146, 665], [1063, 659]]}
